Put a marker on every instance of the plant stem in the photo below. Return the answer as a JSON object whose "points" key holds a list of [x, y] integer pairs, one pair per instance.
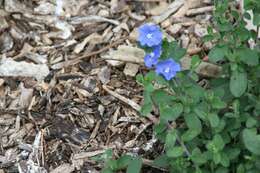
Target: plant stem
{"points": [[257, 32], [183, 146], [180, 141]]}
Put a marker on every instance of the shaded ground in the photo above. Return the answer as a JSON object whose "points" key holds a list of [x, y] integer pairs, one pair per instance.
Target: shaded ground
{"points": [[85, 105]]}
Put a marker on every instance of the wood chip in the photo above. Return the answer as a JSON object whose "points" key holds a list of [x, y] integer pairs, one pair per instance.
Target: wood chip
{"points": [[126, 54], [173, 7], [63, 168], [25, 97], [204, 69], [157, 10], [174, 29], [201, 10], [131, 69], [91, 19], [2, 81], [83, 155], [9, 67], [93, 38]]}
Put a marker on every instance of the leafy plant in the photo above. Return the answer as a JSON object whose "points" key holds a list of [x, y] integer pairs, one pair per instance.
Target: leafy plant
{"points": [[215, 129], [130, 163]]}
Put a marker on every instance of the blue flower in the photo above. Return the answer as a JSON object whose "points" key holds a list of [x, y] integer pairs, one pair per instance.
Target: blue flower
{"points": [[150, 35], [168, 68], [151, 58]]}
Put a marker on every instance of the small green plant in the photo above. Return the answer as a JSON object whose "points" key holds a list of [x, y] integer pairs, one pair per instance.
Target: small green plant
{"points": [[130, 163], [214, 129]]}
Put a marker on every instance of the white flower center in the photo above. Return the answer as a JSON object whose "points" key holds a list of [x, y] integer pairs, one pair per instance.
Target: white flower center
{"points": [[167, 70], [152, 54], [149, 36]]}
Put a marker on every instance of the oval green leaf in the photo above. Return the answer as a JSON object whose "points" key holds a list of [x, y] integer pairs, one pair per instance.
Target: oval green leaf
{"points": [[238, 83]]}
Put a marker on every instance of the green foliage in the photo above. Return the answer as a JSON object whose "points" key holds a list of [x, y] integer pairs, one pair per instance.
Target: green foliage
{"points": [[252, 141], [134, 166], [216, 128], [130, 163], [238, 83], [172, 50], [255, 7], [218, 53]]}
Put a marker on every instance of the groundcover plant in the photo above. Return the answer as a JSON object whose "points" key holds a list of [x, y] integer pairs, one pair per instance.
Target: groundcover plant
{"points": [[204, 130]]}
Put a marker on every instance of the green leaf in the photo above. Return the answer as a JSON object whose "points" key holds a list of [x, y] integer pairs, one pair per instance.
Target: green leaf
{"points": [[235, 14], [243, 34], [217, 103], [161, 96], [225, 25], [193, 122], [112, 164], [148, 87], [221, 126], [140, 79], [217, 53], [238, 83], [241, 169], [161, 161], [200, 111], [216, 145], [224, 160], [195, 94], [218, 142], [213, 119], [175, 152], [172, 50], [148, 105], [216, 158], [170, 139], [195, 61], [248, 56], [189, 135], [208, 37], [149, 77], [107, 170], [222, 170], [170, 113], [134, 166], [256, 19], [198, 170], [198, 157], [123, 161], [252, 141], [232, 153], [251, 122], [146, 109], [160, 127]]}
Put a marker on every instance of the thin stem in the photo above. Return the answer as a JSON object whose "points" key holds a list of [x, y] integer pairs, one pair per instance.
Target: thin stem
{"points": [[258, 29], [180, 141], [183, 146]]}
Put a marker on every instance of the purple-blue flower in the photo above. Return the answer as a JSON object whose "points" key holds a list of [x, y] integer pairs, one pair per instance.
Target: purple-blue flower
{"points": [[168, 68], [150, 35], [151, 58]]}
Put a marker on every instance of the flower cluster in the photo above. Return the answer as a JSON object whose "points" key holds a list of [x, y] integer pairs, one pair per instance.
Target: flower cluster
{"points": [[151, 36]]}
